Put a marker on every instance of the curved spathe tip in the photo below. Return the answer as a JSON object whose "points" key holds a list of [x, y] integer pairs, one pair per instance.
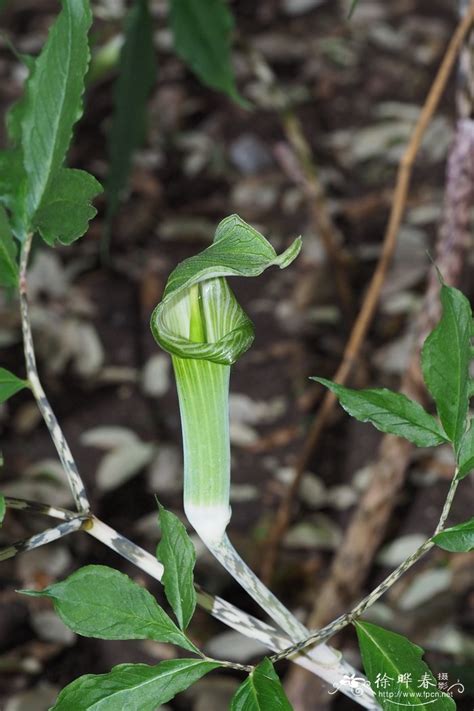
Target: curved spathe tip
{"points": [[226, 331]]}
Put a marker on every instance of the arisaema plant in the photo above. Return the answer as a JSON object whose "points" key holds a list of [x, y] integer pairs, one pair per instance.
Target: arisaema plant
{"points": [[205, 330]]}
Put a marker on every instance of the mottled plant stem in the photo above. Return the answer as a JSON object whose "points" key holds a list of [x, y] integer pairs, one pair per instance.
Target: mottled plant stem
{"points": [[62, 447], [41, 539], [222, 610], [328, 662], [342, 621], [44, 509]]}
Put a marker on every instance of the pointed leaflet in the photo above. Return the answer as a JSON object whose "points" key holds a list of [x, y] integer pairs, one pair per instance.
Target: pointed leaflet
{"points": [[202, 34], [10, 384], [137, 72], [3, 508], [176, 552], [132, 686], [458, 539], [8, 250], [65, 212], [445, 362], [466, 452], [97, 601], [386, 656], [53, 101], [389, 412], [262, 691]]}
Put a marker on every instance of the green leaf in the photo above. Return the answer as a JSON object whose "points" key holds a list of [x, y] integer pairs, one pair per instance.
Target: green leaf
{"points": [[66, 209], [53, 101], [202, 36], [8, 264], [3, 508], [458, 539], [176, 552], [465, 456], [137, 73], [237, 250], [97, 601], [389, 412], [12, 186], [262, 691], [445, 362], [10, 384], [132, 686], [386, 657], [352, 8], [16, 112]]}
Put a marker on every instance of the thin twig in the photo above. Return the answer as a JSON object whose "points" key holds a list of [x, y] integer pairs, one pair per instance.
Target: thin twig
{"points": [[337, 625], [369, 304], [229, 665], [321, 219]]}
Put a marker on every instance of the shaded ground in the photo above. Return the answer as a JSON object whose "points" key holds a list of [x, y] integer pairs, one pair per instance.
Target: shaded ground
{"points": [[356, 89]]}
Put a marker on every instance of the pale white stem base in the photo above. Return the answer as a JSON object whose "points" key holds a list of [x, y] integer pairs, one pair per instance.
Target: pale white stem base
{"points": [[209, 522]]}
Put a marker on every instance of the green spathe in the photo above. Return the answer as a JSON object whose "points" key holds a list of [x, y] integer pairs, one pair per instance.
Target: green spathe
{"points": [[200, 323], [237, 250]]}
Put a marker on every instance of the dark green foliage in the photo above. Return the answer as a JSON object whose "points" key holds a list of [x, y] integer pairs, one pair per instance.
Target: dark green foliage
{"points": [[386, 656], [10, 384], [466, 452], [261, 691], [135, 687], [137, 72], [202, 36], [389, 412], [445, 362], [8, 253], [458, 539], [39, 193], [176, 552], [97, 601]]}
